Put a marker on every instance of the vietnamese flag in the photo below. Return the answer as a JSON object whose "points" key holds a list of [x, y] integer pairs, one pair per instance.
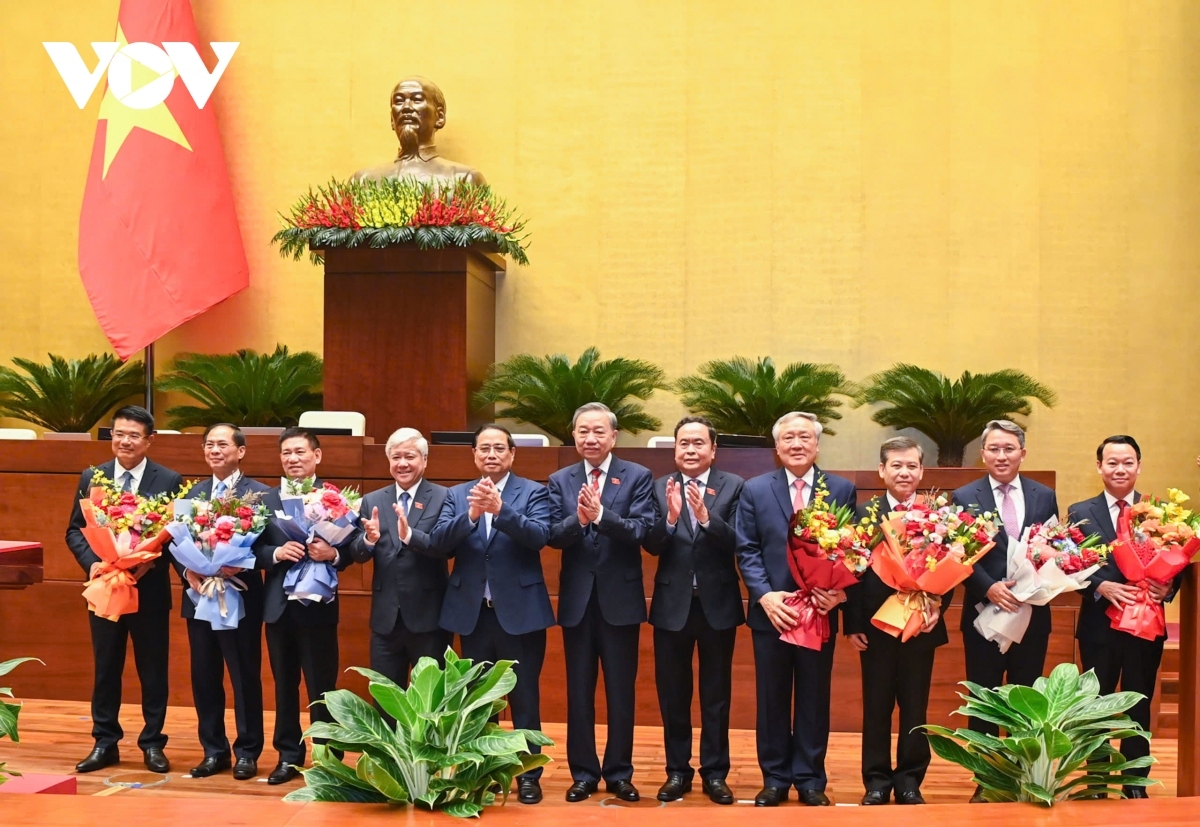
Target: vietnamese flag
{"points": [[158, 237]]}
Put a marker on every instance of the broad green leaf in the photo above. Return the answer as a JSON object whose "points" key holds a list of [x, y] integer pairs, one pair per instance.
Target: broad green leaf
{"points": [[1037, 793], [326, 762], [374, 774], [1057, 743], [425, 687], [1030, 703], [498, 743], [536, 737], [497, 683], [346, 793], [8, 721], [1089, 684], [10, 665], [462, 808]]}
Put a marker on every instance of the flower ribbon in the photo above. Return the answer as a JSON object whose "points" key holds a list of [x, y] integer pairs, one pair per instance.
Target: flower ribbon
{"points": [[214, 587], [812, 628]]}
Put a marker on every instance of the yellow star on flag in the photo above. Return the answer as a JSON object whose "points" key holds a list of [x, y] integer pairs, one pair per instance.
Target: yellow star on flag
{"points": [[122, 119]]}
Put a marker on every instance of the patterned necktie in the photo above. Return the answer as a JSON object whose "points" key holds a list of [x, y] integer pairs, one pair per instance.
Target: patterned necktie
{"points": [[596, 472], [691, 513], [798, 500], [1008, 511], [127, 481], [220, 490]]}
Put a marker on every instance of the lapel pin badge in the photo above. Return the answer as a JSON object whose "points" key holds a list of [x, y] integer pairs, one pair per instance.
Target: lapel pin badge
{"points": [[616, 481], [710, 492], [420, 506]]}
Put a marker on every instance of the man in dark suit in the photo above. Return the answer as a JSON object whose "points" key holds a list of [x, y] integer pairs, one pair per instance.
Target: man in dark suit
{"points": [[495, 529], [893, 673], [300, 639], [697, 604], [792, 682], [1115, 655], [238, 649], [148, 627], [408, 583], [600, 511], [1019, 503]]}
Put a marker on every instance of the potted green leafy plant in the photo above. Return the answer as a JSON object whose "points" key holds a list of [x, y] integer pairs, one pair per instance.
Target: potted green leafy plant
{"points": [[1057, 738], [442, 753], [743, 397], [545, 391], [68, 395], [951, 413], [8, 714], [245, 388]]}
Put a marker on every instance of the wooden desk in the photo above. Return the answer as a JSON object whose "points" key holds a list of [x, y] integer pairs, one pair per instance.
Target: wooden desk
{"points": [[20, 564]]}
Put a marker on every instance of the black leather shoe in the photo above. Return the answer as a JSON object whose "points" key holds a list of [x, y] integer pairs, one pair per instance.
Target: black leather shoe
{"points": [[813, 798], [978, 798], [98, 759], [245, 769], [1135, 792], [718, 791], [771, 796], [156, 761], [910, 797], [283, 773], [581, 791], [211, 766], [874, 797], [623, 790], [529, 790], [676, 785]]}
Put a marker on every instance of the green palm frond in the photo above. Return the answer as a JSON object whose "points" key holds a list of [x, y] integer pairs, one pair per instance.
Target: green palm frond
{"points": [[545, 391], [245, 388], [68, 394], [951, 413], [743, 397]]}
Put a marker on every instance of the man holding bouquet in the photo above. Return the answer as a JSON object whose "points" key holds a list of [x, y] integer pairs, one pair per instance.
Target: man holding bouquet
{"points": [[301, 639], [240, 649], [1118, 656], [893, 672], [1020, 503], [792, 682], [148, 627]]}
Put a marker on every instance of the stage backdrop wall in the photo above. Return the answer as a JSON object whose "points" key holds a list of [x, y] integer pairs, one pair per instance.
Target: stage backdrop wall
{"points": [[961, 185]]}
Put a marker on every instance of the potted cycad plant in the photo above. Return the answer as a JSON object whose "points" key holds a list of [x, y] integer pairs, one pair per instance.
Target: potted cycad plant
{"points": [[8, 714], [952, 413], [246, 388], [68, 396], [545, 391], [743, 397]]}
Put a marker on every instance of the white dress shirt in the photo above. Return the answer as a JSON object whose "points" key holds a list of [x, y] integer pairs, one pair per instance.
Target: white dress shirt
{"points": [[600, 483], [702, 480], [1017, 495], [809, 478], [1112, 505], [230, 482], [412, 498], [138, 472]]}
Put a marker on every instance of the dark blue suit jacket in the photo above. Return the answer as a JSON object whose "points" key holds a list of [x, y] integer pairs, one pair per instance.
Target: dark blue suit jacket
{"points": [[764, 515], [252, 597], [509, 561], [606, 556], [1040, 505]]}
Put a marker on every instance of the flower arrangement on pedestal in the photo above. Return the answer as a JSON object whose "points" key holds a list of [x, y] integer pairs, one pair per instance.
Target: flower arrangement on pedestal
{"points": [[381, 213]]}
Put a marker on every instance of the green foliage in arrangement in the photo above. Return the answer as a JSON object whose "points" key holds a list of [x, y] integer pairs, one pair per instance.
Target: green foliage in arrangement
{"points": [[545, 391], [246, 388]]}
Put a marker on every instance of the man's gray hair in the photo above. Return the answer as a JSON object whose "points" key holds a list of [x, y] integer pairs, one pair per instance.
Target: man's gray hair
{"points": [[1005, 425], [403, 435], [897, 444], [791, 415], [595, 406]]}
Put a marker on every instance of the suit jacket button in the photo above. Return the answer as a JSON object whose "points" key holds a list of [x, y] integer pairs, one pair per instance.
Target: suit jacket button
{"points": [[487, 557]]}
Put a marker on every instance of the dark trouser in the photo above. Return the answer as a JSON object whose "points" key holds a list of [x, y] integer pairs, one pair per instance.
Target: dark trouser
{"points": [[1134, 663], [792, 686], [151, 636], [586, 647], [395, 653], [490, 642], [988, 666], [673, 677], [239, 650], [895, 673], [296, 648]]}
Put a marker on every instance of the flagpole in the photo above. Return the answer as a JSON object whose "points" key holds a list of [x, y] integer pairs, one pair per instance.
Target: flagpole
{"points": [[148, 362]]}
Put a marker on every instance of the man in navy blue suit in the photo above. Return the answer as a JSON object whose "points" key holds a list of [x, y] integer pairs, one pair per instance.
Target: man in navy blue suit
{"points": [[495, 529], [600, 511], [1019, 503], [1118, 656], [792, 682], [240, 649]]}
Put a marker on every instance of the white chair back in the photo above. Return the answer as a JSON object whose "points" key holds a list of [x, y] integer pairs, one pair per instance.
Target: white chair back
{"points": [[661, 442], [18, 433], [531, 440]]}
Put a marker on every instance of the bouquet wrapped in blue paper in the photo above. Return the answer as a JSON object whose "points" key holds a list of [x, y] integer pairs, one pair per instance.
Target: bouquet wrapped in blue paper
{"points": [[308, 511], [213, 538]]}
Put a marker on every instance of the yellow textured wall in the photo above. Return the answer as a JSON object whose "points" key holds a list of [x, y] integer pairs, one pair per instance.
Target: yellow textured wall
{"points": [[963, 185]]}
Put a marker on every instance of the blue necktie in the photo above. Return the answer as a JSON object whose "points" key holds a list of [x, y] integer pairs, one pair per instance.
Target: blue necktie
{"points": [[127, 481], [220, 490], [404, 502]]}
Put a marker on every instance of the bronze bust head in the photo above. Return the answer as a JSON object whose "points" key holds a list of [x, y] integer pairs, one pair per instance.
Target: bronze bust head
{"points": [[418, 112]]}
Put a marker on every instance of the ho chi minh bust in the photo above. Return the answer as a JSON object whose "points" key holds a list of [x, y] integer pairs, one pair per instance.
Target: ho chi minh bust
{"points": [[418, 112]]}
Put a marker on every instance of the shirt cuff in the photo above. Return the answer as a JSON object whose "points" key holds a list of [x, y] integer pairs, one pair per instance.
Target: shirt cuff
{"points": [[672, 526]]}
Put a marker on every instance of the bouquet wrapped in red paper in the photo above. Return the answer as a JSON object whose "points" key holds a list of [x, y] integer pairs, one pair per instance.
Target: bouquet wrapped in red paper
{"points": [[927, 550], [1156, 539], [125, 530], [827, 550]]}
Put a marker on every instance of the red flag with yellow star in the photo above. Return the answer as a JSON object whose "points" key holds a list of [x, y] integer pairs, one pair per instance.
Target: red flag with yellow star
{"points": [[158, 237]]}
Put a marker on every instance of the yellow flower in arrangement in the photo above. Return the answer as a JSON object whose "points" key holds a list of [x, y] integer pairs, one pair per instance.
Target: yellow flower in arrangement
{"points": [[117, 510]]}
